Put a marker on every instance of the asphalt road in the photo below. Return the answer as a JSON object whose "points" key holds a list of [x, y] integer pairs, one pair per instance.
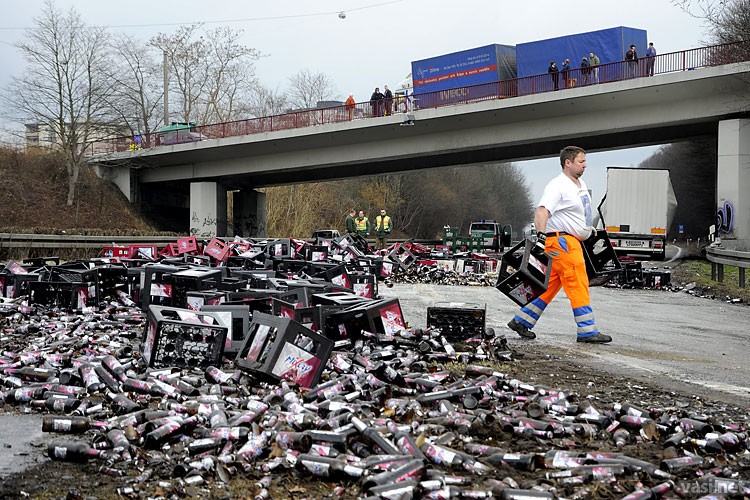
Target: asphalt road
{"points": [[673, 339]]}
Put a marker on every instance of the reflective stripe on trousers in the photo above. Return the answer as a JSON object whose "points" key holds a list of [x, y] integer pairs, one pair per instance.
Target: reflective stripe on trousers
{"points": [[568, 272]]}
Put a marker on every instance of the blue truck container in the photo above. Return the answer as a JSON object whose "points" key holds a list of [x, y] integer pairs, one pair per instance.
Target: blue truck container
{"points": [[610, 45], [461, 76]]}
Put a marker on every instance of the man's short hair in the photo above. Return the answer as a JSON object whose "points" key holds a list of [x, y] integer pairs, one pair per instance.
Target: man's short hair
{"points": [[569, 153]]}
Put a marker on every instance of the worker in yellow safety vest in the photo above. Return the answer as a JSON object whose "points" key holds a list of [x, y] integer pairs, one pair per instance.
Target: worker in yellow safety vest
{"points": [[383, 227], [362, 224]]}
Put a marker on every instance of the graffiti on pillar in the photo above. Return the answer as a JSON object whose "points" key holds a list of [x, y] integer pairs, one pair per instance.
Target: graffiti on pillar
{"points": [[202, 229], [725, 218]]}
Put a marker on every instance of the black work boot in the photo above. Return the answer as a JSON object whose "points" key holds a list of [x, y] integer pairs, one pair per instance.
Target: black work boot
{"points": [[521, 329], [599, 338]]}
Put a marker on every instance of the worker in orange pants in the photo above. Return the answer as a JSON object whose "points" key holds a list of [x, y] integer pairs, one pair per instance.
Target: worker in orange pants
{"points": [[563, 219]]}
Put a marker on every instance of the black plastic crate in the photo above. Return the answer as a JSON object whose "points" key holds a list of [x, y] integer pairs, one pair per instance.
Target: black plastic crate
{"points": [[281, 348], [364, 285], [656, 279], [601, 258], [182, 338], [191, 280], [345, 299], [64, 294], [522, 277], [457, 320], [197, 299], [156, 285], [375, 316], [237, 320]]}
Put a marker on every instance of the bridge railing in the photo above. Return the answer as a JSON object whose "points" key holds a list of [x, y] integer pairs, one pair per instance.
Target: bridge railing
{"points": [[672, 62]]}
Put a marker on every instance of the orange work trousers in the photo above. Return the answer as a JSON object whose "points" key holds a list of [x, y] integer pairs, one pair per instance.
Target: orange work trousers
{"points": [[569, 273]]}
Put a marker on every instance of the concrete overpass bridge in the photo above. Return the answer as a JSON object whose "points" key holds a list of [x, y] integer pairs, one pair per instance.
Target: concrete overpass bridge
{"points": [[706, 97]]}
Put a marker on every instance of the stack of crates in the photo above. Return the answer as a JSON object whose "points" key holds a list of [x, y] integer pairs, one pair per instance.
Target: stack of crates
{"points": [[449, 237]]}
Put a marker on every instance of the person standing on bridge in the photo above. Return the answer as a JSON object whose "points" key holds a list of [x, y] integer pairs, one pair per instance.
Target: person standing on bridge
{"points": [[388, 100], [362, 225], [594, 63], [383, 227], [554, 72], [650, 59], [376, 101], [350, 104], [563, 219], [566, 72], [631, 56], [351, 226], [585, 70]]}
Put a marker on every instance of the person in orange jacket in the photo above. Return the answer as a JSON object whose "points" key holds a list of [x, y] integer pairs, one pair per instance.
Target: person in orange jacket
{"points": [[350, 104], [563, 220]]}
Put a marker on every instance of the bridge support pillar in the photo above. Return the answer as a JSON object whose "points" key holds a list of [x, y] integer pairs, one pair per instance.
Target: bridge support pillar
{"points": [[249, 214], [733, 184], [208, 209]]}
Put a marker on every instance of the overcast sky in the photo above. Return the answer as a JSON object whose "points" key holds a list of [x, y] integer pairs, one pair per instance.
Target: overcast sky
{"points": [[377, 40]]}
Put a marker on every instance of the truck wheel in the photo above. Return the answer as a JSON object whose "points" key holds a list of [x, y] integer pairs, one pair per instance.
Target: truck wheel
{"points": [[660, 256]]}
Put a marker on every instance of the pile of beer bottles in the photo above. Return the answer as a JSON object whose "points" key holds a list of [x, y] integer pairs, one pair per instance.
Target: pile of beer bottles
{"points": [[169, 394]]}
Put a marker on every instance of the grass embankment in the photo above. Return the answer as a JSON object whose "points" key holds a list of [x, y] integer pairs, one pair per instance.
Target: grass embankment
{"points": [[699, 272]]}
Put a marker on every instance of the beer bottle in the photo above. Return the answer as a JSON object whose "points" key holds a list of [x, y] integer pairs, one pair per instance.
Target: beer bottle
{"points": [[72, 451], [57, 423]]}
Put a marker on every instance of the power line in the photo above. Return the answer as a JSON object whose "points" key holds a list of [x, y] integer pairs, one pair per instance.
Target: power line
{"points": [[250, 19]]}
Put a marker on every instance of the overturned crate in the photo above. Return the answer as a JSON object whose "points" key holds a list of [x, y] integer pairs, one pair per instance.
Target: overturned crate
{"points": [[281, 348]]}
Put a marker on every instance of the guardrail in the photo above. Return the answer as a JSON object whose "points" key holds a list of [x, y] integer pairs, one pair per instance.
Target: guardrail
{"points": [[720, 257], [684, 60]]}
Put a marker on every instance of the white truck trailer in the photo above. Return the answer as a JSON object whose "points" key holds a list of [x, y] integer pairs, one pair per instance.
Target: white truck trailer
{"points": [[637, 210]]}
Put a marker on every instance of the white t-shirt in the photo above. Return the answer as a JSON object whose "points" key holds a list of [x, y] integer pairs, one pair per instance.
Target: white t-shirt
{"points": [[569, 207]]}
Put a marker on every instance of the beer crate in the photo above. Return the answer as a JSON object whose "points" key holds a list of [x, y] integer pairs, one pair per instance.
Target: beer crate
{"points": [[237, 320], [192, 280], [196, 299], [457, 320], [522, 277], [375, 316], [64, 294], [182, 338], [601, 258], [364, 285], [281, 348]]}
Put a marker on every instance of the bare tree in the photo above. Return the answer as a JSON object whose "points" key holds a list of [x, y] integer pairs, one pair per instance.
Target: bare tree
{"points": [[212, 72], [137, 96], [727, 20], [63, 88], [263, 101], [307, 89]]}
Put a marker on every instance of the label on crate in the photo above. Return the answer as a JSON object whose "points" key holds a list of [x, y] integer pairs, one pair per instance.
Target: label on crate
{"points": [[191, 317], [392, 320], [161, 290], [363, 290], [259, 340], [341, 280], [387, 269], [523, 293], [319, 256], [297, 365]]}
